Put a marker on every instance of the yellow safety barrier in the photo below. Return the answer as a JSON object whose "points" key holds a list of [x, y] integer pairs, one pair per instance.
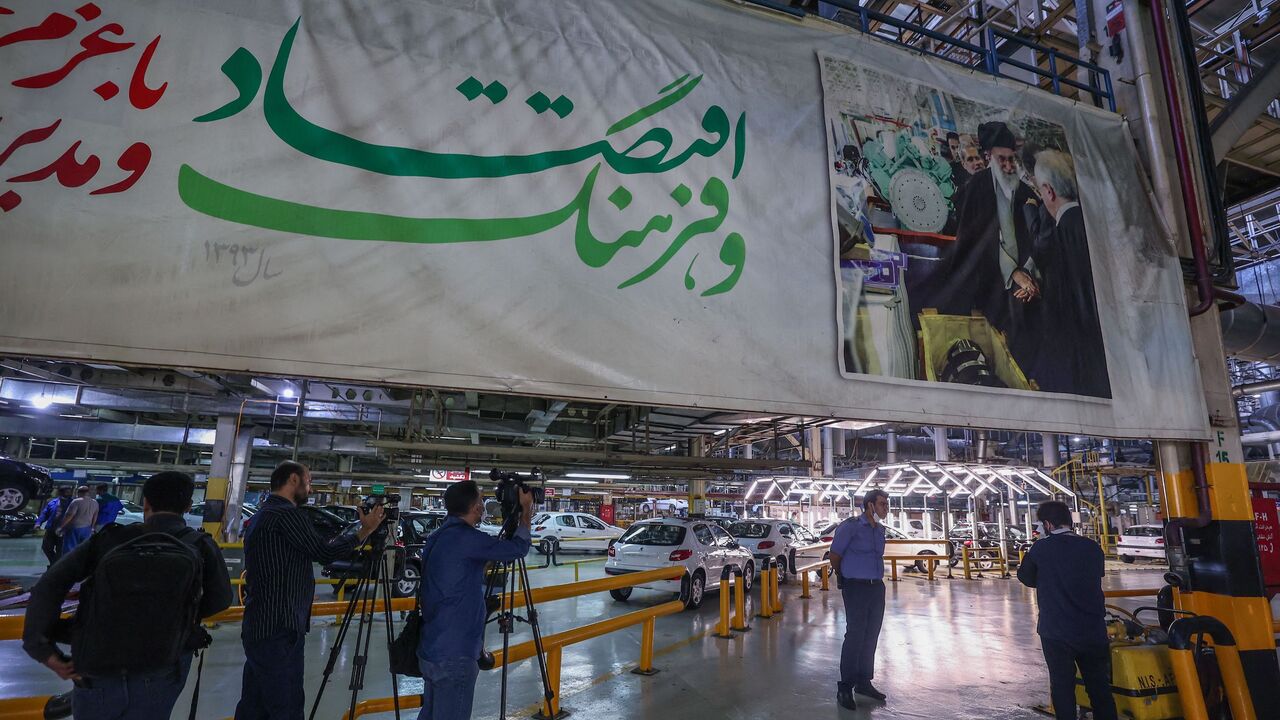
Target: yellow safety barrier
{"points": [[740, 604], [1182, 655], [996, 559], [25, 708], [775, 593], [931, 562]]}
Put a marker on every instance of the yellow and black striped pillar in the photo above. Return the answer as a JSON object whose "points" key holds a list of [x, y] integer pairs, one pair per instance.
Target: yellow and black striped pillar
{"points": [[1219, 564]]}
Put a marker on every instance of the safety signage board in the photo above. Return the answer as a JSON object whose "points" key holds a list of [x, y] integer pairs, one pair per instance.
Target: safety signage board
{"points": [[1266, 527]]}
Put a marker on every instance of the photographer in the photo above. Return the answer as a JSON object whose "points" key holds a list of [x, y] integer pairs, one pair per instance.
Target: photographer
{"points": [[453, 603], [146, 587], [279, 547], [857, 558]]}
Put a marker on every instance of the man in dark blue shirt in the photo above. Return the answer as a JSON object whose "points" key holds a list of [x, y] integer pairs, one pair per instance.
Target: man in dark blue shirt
{"points": [[50, 519], [278, 551], [1066, 570], [453, 605], [857, 557]]}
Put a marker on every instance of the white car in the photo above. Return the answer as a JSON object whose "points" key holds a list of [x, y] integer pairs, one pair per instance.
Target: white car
{"points": [[702, 548], [915, 529], [1141, 541], [562, 531], [827, 533], [195, 516], [777, 539]]}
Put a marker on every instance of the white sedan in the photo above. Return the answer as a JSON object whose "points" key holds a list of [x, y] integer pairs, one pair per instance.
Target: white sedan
{"points": [[702, 548], [1141, 541], [562, 531]]}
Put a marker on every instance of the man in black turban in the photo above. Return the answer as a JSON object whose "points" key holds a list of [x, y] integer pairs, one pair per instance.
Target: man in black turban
{"points": [[990, 265]]}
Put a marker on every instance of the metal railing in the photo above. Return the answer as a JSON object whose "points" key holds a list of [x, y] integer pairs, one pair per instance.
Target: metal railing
{"points": [[990, 56]]}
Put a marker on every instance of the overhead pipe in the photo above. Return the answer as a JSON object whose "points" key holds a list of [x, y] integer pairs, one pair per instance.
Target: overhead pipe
{"points": [[1257, 388], [1206, 293]]}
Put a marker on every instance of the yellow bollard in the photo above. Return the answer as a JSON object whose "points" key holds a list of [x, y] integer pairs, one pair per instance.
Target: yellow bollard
{"points": [[722, 627], [740, 604], [646, 650], [826, 575], [575, 572], [804, 585], [893, 566], [775, 593], [964, 557], [766, 602], [551, 708]]}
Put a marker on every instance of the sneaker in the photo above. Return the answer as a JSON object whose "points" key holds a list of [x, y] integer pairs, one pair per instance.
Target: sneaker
{"points": [[868, 690]]}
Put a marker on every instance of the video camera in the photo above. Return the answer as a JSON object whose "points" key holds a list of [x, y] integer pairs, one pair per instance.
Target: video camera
{"points": [[390, 503], [509, 487]]}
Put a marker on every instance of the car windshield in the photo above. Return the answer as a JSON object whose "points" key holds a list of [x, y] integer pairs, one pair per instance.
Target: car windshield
{"points": [[653, 534], [130, 507], [749, 530]]}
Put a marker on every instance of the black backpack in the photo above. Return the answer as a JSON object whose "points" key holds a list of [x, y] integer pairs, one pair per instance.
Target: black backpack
{"points": [[140, 609]]}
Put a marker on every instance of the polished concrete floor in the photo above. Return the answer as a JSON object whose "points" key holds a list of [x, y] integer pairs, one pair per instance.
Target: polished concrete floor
{"points": [[949, 649]]}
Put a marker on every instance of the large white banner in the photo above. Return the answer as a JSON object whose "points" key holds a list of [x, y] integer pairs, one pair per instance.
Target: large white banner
{"points": [[624, 200]]}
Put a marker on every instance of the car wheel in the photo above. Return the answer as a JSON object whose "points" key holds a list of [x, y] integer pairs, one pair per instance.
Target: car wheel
{"points": [[985, 561], [923, 565], [782, 569], [621, 594], [1127, 558], [13, 498], [407, 584], [547, 546], [697, 588]]}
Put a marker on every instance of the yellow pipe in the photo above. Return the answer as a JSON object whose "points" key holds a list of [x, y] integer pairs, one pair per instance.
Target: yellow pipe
{"points": [[804, 585], [767, 575], [1189, 692], [646, 647], [1144, 592], [526, 650], [722, 626], [586, 587], [1234, 683], [775, 592], [381, 705], [739, 603], [826, 577], [23, 708], [552, 706]]}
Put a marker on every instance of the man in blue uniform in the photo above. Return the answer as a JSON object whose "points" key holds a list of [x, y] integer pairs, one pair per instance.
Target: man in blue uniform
{"points": [[857, 558], [1066, 570], [453, 605]]}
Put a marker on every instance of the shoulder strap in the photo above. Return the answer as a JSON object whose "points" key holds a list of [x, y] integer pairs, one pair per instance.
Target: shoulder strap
{"points": [[195, 692]]}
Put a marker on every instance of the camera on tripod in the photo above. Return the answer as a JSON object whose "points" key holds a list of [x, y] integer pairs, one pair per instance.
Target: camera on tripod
{"points": [[511, 484], [390, 503]]}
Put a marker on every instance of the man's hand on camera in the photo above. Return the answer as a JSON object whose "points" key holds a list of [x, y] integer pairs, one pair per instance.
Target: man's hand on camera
{"points": [[369, 521]]}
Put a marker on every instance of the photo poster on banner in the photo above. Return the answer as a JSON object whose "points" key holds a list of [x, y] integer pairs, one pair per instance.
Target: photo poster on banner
{"points": [[961, 249]]}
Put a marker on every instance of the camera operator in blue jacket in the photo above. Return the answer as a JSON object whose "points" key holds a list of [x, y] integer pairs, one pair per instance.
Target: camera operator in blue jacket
{"points": [[453, 603]]}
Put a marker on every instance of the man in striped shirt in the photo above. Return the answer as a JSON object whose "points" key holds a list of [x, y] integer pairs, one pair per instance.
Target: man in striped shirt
{"points": [[279, 548]]}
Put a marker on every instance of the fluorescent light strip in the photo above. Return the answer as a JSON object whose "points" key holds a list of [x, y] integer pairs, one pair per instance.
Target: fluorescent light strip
{"points": [[601, 476]]}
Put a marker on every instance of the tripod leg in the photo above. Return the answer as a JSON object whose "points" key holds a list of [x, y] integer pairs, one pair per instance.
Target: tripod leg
{"points": [[338, 641], [547, 692], [364, 633], [386, 616]]}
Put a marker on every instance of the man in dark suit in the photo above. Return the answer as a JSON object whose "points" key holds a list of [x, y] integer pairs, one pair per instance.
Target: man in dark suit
{"points": [[1072, 360], [992, 266]]}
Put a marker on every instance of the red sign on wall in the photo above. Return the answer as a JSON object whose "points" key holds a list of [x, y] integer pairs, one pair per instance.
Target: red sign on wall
{"points": [[606, 513], [1266, 523]]}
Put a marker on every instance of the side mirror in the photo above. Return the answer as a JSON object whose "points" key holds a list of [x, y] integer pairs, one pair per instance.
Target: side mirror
{"points": [[734, 544]]}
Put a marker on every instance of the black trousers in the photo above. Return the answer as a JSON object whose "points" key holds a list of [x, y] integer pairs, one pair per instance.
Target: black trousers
{"points": [[1095, 670], [863, 614], [271, 688], [51, 545]]}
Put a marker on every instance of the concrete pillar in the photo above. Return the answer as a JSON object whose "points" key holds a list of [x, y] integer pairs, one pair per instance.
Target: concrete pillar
{"points": [[891, 445], [1049, 450], [828, 459], [228, 476], [697, 488]]}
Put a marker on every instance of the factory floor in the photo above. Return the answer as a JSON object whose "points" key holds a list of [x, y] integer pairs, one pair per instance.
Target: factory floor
{"points": [[949, 649]]}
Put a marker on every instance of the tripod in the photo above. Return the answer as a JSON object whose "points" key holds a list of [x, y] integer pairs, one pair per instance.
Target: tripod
{"points": [[515, 575], [375, 580]]}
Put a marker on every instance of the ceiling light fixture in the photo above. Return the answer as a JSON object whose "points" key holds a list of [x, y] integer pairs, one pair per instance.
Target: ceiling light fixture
{"points": [[600, 476], [42, 402]]}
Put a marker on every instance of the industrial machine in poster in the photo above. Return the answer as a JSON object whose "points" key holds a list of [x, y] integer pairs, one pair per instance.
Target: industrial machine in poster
{"points": [[962, 252]]}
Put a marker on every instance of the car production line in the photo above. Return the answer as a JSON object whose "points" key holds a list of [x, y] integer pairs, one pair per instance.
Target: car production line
{"points": [[968, 646]]}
